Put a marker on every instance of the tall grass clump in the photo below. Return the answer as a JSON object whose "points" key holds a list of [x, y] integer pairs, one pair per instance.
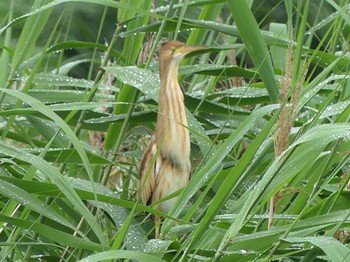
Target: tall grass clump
{"points": [[268, 108]]}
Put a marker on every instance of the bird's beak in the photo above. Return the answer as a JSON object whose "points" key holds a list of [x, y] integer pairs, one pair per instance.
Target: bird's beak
{"points": [[185, 50]]}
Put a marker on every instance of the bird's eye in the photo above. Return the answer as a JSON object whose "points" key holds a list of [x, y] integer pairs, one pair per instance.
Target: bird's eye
{"points": [[172, 50]]}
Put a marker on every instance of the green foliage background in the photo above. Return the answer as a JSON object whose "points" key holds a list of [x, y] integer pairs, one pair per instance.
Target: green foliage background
{"points": [[78, 94]]}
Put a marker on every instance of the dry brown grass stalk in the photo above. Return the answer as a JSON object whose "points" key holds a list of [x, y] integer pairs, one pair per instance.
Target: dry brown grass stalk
{"points": [[289, 101]]}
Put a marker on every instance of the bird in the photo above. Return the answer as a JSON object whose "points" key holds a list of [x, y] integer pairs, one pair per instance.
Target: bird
{"points": [[165, 165]]}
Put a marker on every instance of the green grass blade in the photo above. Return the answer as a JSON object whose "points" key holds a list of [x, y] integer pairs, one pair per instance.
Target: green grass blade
{"points": [[239, 169], [334, 250], [54, 3], [131, 50], [30, 33], [121, 254], [53, 234], [129, 232], [26, 199], [56, 178], [255, 44], [60, 123]]}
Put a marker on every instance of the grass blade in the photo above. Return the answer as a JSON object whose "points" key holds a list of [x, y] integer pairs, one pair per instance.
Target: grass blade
{"points": [[255, 44]]}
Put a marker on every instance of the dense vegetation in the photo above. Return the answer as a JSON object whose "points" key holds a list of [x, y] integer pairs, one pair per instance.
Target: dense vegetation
{"points": [[268, 105]]}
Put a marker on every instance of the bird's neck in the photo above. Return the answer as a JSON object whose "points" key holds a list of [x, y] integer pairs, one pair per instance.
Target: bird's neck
{"points": [[172, 132], [171, 99]]}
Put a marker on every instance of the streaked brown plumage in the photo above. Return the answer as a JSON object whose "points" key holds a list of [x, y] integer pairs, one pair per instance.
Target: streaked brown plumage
{"points": [[165, 164]]}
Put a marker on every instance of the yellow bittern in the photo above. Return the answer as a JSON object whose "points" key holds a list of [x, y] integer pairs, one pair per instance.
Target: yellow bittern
{"points": [[165, 165]]}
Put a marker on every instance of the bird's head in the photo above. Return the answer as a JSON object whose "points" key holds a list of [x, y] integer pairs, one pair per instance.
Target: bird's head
{"points": [[176, 50]]}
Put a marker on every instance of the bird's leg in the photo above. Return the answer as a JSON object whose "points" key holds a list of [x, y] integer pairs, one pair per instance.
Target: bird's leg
{"points": [[271, 211], [157, 224]]}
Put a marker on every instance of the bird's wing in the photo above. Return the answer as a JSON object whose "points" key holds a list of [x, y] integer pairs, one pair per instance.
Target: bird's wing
{"points": [[149, 169]]}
